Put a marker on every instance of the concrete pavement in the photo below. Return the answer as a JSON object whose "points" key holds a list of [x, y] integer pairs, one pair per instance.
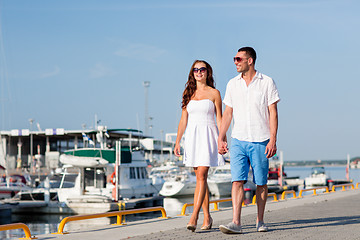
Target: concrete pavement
{"points": [[325, 216]]}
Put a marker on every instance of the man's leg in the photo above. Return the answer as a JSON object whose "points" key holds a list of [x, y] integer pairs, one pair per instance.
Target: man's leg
{"points": [[260, 165], [239, 164], [261, 196], [237, 196]]}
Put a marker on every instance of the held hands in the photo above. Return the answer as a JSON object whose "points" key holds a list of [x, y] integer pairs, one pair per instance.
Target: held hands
{"points": [[270, 149], [177, 150], [222, 147]]}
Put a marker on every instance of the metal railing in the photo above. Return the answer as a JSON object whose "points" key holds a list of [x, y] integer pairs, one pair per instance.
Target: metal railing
{"points": [[13, 226], [314, 191], [288, 192], [118, 214], [215, 202], [343, 186], [269, 195]]}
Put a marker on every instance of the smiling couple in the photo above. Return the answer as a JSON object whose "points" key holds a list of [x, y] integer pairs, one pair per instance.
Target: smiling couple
{"points": [[251, 100]]}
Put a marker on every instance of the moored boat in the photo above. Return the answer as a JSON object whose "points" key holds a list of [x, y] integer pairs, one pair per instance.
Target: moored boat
{"points": [[95, 179], [11, 185], [317, 177], [219, 182], [134, 181], [179, 183], [159, 174]]}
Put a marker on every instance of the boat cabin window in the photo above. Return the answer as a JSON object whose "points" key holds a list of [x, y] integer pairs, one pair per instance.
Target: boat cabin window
{"points": [[132, 173], [318, 170], [138, 173], [143, 173], [95, 177]]}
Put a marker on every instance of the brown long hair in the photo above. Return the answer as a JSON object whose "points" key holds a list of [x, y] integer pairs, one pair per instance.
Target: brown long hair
{"points": [[190, 86]]}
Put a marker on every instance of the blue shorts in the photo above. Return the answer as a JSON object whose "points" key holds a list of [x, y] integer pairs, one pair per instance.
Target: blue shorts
{"points": [[242, 155]]}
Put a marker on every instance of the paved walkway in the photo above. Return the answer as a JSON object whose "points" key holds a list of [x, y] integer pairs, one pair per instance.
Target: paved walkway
{"points": [[325, 216]]}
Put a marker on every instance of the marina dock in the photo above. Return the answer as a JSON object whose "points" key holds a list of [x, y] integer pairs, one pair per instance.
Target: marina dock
{"points": [[324, 216]]}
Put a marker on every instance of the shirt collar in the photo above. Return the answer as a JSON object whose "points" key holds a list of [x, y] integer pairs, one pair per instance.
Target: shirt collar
{"points": [[258, 75]]}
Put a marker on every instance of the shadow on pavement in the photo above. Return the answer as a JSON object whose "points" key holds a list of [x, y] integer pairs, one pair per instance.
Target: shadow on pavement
{"points": [[316, 222]]}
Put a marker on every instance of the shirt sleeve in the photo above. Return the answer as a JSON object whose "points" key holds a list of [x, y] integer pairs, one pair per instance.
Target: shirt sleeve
{"points": [[273, 94], [227, 98]]}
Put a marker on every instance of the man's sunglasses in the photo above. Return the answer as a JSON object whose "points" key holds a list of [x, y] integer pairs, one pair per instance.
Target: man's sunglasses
{"points": [[239, 59], [202, 70]]}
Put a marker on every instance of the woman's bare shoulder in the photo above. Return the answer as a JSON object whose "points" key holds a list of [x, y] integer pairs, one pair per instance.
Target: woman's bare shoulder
{"points": [[215, 93]]}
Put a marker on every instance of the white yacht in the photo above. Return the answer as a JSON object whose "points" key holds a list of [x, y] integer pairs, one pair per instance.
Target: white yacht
{"points": [[317, 177], [179, 183], [134, 181], [219, 182], [48, 189], [159, 174], [11, 185]]}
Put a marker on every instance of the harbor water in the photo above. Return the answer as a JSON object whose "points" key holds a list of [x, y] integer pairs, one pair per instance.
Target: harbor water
{"points": [[44, 224]]}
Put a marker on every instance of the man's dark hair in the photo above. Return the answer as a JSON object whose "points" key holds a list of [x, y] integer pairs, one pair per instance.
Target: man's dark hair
{"points": [[249, 51]]}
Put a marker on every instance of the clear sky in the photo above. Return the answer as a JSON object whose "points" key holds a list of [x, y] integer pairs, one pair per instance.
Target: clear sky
{"points": [[62, 62]]}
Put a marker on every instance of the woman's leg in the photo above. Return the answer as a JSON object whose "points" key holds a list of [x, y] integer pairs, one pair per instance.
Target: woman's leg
{"points": [[200, 192], [193, 218], [205, 207]]}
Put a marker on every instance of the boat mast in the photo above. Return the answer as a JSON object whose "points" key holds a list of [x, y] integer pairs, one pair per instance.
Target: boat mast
{"points": [[117, 169], [347, 167], [146, 85]]}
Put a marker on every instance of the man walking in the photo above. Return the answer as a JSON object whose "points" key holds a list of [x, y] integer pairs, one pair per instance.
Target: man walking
{"points": [[251, 99]]}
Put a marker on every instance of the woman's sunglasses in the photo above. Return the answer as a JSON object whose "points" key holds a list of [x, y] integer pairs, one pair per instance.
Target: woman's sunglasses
{"points": [[202, 70]]}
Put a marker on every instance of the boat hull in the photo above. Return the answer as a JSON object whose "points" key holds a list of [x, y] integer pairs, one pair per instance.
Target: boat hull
{"points": [[319, 180], [171, 189]]}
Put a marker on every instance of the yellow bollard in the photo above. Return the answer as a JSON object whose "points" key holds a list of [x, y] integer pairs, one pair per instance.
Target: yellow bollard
{"points": [[120, 218], [288, 192], [314, 190], [269, 195], [108, 214], [215, 202], [350, 185]]}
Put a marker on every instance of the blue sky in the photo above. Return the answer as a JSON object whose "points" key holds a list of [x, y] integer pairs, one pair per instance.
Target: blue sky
{"points": [[62, 62]]}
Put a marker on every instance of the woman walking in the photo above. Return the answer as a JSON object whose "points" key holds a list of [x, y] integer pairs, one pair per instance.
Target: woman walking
{"points": [[200, 102]]}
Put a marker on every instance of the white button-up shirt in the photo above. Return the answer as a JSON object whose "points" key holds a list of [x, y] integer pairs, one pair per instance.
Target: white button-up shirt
{"points": [[250, 106]]}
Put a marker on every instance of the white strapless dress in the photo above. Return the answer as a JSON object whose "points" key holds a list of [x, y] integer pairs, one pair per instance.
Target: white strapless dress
{"points": [[200, 146]]}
